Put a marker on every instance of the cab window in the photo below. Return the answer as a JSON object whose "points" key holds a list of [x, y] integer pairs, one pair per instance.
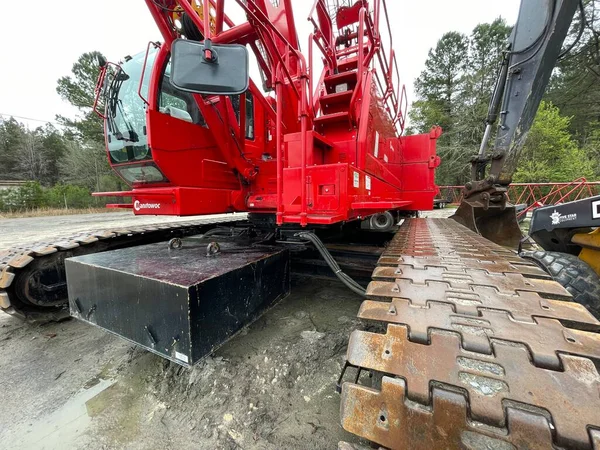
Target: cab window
{"points": [[176, 103], [181, 105]]}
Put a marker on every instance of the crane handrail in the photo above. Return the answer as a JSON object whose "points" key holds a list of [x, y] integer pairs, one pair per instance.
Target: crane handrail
{"points": [[327, 46]]}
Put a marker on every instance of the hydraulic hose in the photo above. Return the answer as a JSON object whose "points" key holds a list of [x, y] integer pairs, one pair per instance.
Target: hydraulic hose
{"points": [[344, 278], [226, 232]]}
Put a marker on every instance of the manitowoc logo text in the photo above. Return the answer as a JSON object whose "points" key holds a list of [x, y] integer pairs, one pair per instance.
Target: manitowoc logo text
{"points": [[137, 205]]}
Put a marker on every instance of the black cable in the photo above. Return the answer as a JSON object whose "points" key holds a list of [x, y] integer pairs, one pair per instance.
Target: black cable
{"points": [[226, 232], [165, 8], [28, 118], [542, 37], [581, 30], [113, 98], [190, 29], [331, 262]]}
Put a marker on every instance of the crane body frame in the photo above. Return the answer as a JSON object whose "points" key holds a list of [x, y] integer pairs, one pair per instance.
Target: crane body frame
{"points": [[501, 343], [318, 152]]}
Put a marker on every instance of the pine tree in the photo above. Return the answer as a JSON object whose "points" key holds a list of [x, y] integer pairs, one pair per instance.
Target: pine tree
{"points": [[486, 46], [78, 89], [441, 83], [575, 86], [85, 162], [11, 139]]}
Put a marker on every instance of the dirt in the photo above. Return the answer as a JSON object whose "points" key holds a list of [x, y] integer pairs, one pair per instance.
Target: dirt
{"points": [[69, 385]]}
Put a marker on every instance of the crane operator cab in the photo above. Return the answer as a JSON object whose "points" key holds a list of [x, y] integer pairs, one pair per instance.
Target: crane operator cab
{"points": [[126, 95]]}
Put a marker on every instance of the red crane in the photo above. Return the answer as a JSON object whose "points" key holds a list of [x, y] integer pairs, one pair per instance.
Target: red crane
{"points": [[316, 149], [481, 349]]}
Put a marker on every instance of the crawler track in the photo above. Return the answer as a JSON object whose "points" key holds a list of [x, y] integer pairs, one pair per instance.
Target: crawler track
{"points": [[32, 277], [481, 350]]}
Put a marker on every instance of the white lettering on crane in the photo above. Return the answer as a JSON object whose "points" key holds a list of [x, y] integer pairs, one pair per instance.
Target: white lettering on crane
{"points": [[137, 205]]}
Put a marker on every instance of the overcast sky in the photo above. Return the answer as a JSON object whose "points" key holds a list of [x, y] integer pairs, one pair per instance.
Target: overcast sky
{"points": [[40, 43]]}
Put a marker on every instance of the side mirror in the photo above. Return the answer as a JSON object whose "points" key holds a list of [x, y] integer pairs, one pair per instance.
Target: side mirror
{"points": [[205, 68]]}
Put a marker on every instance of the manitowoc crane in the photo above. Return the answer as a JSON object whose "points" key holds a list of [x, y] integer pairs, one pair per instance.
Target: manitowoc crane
{"points": [[476, 348]]}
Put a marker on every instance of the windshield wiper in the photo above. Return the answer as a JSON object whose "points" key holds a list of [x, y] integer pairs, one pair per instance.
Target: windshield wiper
{"points": [[131, 135], [114, 104]]}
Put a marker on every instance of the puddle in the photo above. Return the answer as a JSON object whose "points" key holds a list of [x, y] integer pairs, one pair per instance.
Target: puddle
{"points": [[63, 427]]}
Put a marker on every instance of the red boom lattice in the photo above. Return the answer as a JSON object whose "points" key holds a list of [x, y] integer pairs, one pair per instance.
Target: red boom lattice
{"points": [[536, 194]]}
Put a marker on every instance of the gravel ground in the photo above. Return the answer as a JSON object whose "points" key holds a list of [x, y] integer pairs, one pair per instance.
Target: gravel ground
{"points": [[70, 385], [439, 213], [20, 231]]}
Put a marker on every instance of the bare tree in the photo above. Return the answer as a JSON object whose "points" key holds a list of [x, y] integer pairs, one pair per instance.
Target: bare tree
{"points": [[31, 156]]}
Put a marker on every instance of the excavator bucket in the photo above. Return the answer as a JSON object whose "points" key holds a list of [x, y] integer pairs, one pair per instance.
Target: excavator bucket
{"points": [[496, 224]]}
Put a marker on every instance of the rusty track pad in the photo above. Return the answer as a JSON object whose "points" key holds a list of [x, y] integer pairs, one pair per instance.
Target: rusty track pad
{"points": [[544, 337], [474, 336], [490, 380], [389, 418]]}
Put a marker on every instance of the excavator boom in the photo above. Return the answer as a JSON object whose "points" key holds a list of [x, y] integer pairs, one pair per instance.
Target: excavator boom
{"points": [[534, 48]]}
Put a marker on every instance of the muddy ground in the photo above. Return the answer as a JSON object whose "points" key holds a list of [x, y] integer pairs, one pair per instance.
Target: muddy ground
{"points": [[69, 385]]}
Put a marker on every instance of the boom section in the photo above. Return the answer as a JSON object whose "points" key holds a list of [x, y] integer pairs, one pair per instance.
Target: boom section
{"points": [[534, 48]]}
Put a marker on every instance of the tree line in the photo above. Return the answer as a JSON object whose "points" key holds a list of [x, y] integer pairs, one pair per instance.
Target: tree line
{"points": [[455, 88], [63, 164]]}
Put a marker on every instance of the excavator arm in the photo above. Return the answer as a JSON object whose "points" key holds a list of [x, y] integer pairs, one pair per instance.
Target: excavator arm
{"points": [[534, 48]]}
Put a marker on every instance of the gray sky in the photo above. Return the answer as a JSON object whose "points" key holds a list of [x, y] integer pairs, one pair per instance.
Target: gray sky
{"points": [[40, 43]]}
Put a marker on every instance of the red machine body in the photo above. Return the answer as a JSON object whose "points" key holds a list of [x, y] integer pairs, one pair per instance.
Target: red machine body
{"points": [[311, 151]]}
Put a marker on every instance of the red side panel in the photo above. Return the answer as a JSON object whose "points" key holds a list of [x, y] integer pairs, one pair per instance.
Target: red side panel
{"points": [[415, 166], [177, 201], [187, 153]]}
